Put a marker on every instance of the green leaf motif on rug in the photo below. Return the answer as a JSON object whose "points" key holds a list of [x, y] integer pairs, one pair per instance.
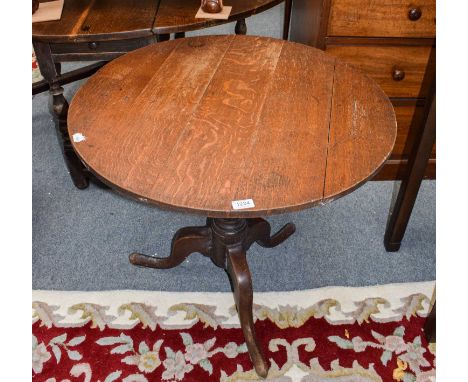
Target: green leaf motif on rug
{"points": [[206, 365], [242, 348], [76, 341], [400, 331], [407, 377], [57, 352], [169, 352], [341, 342], [386, 356], [113, 376], [115, 340], [131, 360], [186, 339], [59, 339], [121, 349], [143, 348], [74, 355]]}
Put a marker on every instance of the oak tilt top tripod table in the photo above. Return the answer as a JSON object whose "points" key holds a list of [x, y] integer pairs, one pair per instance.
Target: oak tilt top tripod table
{"points": [[234, 128]]}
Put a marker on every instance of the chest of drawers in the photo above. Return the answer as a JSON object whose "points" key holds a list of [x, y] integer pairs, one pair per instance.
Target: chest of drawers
{"points": [[393, 41]]}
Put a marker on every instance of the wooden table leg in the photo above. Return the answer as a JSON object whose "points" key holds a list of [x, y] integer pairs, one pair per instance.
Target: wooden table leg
{"points": [[409, 188], [241, 27], [226, 242], [58, 106], [163, 37], [287, 18], [186, 241], [239, 273], [430, 325]]}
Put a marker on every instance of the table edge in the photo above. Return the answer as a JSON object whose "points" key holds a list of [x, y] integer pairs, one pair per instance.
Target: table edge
{"points": [[252, 213]]}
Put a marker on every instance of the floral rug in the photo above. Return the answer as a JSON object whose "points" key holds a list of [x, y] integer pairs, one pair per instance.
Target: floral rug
{"points": [[335, 334]]}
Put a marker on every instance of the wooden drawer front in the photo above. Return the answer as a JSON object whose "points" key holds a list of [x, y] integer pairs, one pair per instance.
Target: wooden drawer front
{"points": [[385, 64], [102, 46], [382, 18], [410, 122]]}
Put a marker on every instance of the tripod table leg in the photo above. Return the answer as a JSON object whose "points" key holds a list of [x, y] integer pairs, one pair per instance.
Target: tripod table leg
{"points": [[239, 272], [186, 241]]}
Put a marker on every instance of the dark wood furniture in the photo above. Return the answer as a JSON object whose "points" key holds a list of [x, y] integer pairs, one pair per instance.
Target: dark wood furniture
{"points": [[400, 212], [430, 325], [101, 30], [35, 6], [393, 41], [195, 124]]}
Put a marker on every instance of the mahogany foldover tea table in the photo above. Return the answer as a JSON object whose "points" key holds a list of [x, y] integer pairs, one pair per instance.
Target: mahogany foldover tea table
{"points": [[234, 128]]}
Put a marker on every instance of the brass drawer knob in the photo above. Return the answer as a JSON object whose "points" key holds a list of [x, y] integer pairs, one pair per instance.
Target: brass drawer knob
{"points": [[414, 14], [397, 73], [92, 45], [212, 6]]}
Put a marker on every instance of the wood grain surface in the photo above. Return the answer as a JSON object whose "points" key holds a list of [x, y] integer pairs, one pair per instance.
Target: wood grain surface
{"points": [[409, 118], [84, 20], [380, 63], [194, 124], [382, 18], [179, 15], [101, 20]]}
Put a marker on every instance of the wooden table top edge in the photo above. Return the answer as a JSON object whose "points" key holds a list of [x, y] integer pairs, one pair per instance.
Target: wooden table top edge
{"points": [[237, 214], [77, 38]]}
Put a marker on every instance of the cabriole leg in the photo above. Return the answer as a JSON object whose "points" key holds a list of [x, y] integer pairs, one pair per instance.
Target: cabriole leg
{"points": [[226, 242]]}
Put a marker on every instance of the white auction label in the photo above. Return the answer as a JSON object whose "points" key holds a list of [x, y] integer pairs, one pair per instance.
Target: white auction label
{"points": [[242, 204], [78, 137]]}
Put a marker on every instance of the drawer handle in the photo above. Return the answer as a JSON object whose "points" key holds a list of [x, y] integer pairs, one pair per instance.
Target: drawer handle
{"points": [[414, 14], [398, 74], [92, 45]]}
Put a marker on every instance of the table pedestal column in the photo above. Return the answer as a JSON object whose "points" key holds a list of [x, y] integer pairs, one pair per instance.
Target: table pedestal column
{"points": [[226, 242]]}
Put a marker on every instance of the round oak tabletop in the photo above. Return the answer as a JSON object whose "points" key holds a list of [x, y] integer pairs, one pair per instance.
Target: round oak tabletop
{"points": [[196, 124]]}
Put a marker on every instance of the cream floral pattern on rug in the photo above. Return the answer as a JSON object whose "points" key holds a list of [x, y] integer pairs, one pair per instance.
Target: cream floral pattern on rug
{"points": [[150, 336]]}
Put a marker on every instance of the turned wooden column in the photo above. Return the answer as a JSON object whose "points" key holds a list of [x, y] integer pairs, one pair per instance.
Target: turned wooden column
{"points": [[226, 242], [58, 107]]}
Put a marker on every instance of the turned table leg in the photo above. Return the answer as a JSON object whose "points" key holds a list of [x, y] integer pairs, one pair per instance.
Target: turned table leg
{"points": [[287, 18], [163, 37], [58, 107], [401, 211], [430, 325], [226, 242], [241, 27]]}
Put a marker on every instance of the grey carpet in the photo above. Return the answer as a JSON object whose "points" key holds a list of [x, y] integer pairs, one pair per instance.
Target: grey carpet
{"points": [[81, 239]]}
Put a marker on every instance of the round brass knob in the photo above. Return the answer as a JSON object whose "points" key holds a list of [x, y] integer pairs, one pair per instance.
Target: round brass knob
{"points": [[398, 74], [414, 14], [212, 6]]}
